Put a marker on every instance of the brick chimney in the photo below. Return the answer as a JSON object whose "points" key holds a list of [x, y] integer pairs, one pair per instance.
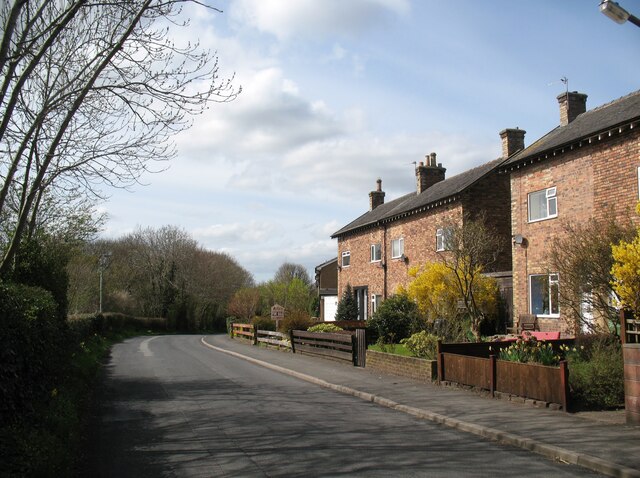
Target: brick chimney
{"points": [[572, 104], [428, 173], [376, 198], [512, 141]]}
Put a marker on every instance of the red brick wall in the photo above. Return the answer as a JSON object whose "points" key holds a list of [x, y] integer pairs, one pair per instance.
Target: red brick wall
{"points": [[419, 233], [491, 196], [594, 180]]}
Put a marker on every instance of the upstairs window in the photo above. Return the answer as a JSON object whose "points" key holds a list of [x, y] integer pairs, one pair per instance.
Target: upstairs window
{"points": [[543, 205], [397, 248], [443, 239], [376, 253], [346, 258]]}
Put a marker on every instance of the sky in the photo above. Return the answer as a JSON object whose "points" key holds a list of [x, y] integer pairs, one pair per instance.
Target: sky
{"points": [[338, 93]]}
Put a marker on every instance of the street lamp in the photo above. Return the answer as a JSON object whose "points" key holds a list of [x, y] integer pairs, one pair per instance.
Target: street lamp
{"points": [[618, 14]]}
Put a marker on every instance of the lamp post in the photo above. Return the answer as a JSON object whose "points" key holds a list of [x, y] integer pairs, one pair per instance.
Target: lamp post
{"points": [[618, 14]]}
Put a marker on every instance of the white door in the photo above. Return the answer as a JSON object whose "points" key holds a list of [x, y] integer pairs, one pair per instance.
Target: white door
{"points": [[330, 307]]}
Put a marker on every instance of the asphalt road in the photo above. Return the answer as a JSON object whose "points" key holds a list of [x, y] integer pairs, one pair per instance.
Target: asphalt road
{"points": [[169, 406]]}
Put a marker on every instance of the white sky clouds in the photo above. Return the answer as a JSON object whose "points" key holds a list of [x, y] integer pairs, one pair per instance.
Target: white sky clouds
{"points": [[338, 93]]}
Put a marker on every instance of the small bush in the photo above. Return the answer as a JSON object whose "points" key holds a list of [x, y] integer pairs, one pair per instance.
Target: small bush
{"points": [[596, 374], [326, 328], [264, 323], [422, 345], [295, 320], [396, 318]]}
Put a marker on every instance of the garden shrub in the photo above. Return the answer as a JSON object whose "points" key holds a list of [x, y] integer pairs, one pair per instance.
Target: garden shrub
{"points": [[348, 306], [326, 327], [264, 323], [596, 373], [422, 345], [295, 320], [396, 318]]}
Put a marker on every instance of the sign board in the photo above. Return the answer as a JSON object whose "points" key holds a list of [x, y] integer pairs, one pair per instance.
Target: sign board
{"points": [[277, 312]]}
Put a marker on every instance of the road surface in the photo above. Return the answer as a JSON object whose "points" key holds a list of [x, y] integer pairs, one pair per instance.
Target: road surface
{"points": [[171, 407]]}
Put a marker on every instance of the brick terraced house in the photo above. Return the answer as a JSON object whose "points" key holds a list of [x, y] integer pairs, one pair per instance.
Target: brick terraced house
{"points": [[376, 250], [588, 166]]}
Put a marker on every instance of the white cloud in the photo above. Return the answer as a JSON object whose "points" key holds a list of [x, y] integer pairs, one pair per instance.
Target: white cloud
{"points": [[230, 235], [313, 18], [270, 116]]}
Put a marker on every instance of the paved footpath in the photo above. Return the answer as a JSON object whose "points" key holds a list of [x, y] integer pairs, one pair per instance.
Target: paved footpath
{"points": [[609, 448]]}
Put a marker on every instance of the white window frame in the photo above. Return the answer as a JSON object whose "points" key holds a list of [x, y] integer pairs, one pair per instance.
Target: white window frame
{"points": [[443, 239], [551, 197], [376, 247], [344, 255], [400, 242], [553, 278], [639, 182], [376, 300]]}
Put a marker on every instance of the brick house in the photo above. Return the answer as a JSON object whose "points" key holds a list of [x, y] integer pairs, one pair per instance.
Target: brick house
{"points": [[376, 250], [588, 166]]}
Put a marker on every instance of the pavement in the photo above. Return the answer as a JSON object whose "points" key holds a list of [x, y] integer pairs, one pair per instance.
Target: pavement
{"points": [[599, 441]]}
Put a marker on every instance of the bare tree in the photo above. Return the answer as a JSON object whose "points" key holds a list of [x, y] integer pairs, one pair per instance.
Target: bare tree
{"points": [[289, 271], [470, 250], [91, 93], [582, 256]]}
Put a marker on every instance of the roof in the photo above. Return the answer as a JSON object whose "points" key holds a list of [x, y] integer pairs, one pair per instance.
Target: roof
{"points": [[326, 263], [617, 115], [440, 193]]}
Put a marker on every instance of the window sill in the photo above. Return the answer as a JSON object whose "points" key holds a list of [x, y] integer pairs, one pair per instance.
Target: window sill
{"points": [[530, 221]]}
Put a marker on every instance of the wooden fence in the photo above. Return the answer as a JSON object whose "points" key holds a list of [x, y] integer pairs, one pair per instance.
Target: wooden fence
{"points": [[538, 382], [347, 346]]}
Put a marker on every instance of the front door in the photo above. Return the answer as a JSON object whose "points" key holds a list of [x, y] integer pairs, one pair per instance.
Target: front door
{"points": [[362, 296]]}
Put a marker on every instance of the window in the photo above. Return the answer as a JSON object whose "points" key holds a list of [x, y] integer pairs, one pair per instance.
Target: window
{"points": [[397, 248], [543, 205], [376, 300], [544, 294], [376, 253], [346, 258], [443, 239]]}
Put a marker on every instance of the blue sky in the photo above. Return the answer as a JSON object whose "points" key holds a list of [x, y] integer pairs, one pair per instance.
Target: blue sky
{"points": [[337, 93]]}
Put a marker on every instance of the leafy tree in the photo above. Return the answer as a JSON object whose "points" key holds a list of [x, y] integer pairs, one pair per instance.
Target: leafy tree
{"points": [[348, 306], [583, 257], [471, 249]]}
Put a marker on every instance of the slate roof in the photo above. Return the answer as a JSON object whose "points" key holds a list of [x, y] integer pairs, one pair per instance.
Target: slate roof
{"points": [[610, 116], [440, 193]]}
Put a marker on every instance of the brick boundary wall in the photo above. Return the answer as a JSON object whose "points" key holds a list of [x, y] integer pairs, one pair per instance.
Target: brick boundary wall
{"points": [[410, 367]]}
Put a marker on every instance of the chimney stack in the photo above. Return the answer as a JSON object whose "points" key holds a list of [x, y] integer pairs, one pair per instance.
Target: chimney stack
{"points": [[428, 173], [572, 104], [376, 198], [512, 141]]}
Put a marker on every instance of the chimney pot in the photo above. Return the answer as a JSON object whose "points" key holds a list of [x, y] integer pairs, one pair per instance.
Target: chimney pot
{"points": [[376, 198], [572, 104], [512, 141], [429, 173]]}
